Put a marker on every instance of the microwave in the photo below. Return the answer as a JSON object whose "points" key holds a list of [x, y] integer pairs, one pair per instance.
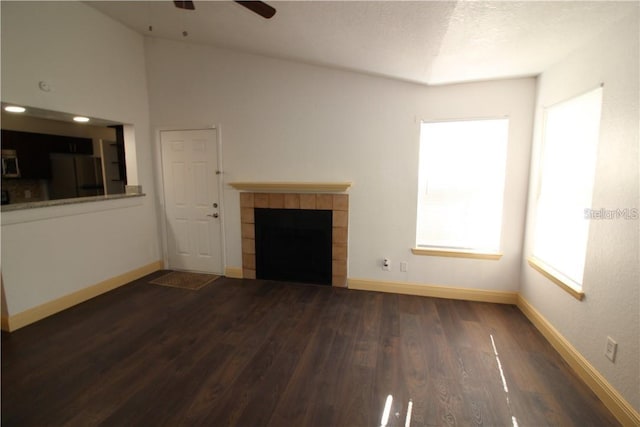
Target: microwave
{"points": [[10, 168]]}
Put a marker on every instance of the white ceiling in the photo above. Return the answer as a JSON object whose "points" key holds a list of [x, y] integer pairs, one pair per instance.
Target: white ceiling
{"points": [[432, 42]]}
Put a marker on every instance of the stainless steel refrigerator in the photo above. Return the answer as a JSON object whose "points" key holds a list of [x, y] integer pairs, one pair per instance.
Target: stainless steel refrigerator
{"points": [[75, 176]]}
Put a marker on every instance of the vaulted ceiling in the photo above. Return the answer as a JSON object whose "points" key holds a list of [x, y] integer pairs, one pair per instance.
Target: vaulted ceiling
{"points": [[431, 42]]}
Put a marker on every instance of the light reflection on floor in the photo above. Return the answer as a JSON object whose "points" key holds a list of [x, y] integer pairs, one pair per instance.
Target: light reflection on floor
{"points": [[384, 420], [385, 412], [407, 420], [514, 421]]}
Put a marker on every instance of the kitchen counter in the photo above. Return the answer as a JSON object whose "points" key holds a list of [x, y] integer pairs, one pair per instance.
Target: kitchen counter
{"points": [[60, 202]]}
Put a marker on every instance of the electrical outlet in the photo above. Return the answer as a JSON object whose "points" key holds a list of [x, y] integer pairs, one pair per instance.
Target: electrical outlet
{"points": [[386, 264], [27, 194], [404, 266], [611, 349]]}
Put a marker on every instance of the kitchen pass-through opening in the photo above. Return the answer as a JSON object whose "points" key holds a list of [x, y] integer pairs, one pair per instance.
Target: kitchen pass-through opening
{"points": [[293, 245]]}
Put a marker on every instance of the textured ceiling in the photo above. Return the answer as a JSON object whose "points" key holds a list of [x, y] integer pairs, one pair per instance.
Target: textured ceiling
{"points": [[430, 42]]}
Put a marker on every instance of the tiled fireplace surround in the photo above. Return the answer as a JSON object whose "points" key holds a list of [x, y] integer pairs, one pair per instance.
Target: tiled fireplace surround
{"points": [[337, 203]]}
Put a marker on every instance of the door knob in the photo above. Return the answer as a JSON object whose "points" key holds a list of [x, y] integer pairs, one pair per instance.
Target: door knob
{"points": [[215, 215]]}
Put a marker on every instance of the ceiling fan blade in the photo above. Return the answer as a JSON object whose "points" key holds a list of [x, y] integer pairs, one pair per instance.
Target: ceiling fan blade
{"points": [[259, 7], [185, 5]]}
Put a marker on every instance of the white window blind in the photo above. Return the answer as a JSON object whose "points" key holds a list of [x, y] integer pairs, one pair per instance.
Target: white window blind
{"points": [[461, 184], [567, 171]]}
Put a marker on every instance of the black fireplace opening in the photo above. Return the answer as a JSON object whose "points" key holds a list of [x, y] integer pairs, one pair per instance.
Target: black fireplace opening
{"points": [[294, 245]]}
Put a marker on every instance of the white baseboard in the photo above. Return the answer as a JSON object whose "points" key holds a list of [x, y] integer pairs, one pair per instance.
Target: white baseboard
{"points": [[24, 318], [500, 297], [618, 406]]}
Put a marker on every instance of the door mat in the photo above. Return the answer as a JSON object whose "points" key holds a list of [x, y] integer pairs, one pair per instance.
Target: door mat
{"points": [[184, 280]]}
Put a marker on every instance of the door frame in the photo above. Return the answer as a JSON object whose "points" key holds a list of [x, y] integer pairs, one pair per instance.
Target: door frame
{"points": [[161, 202]]}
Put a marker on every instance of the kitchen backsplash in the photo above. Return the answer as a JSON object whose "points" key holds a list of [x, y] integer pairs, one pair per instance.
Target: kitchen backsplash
{"points": [[25, 190]]}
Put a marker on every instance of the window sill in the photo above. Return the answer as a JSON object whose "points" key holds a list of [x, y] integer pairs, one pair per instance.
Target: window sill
{"points": [[457, 253], [555, 278]]}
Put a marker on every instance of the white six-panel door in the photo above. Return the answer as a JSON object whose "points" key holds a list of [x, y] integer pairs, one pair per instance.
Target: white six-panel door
{"points": [[192, 204]]}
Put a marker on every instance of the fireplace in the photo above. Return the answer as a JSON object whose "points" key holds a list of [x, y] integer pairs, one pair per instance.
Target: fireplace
{"points": [[293, 245], [334, 206]]}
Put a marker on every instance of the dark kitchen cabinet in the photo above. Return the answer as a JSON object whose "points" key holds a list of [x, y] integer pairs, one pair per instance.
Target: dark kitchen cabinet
{"points": [[68, 145], [32, 154], [33, 150], [34, 161]]}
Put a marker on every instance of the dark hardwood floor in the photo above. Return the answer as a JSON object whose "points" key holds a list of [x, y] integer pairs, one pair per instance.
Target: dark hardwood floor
{"points": [[260, 353]]}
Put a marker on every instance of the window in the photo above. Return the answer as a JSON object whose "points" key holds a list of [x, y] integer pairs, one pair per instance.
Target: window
{"points": [[567, 171], [461, 184]]}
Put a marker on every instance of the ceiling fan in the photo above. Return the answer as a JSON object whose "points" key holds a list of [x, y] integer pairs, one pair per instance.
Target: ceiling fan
{"points": [[259, 7]]}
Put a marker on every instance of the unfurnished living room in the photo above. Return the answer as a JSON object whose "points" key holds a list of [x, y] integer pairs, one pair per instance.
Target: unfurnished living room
{"points": [[320, 213]]}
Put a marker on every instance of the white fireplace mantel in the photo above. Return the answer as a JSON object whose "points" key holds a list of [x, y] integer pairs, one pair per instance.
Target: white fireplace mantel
{"points": [[292, 187]]}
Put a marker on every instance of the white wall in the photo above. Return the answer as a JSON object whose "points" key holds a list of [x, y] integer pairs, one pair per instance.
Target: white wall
{"points": [[612, 279], [283, 121], [95, 67]]}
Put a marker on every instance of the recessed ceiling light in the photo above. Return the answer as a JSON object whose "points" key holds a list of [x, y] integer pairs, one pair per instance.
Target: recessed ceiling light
{"points": [[81, 119], [14, 109]]}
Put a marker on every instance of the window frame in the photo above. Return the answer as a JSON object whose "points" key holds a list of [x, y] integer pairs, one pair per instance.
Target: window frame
{"points": [[540, 263], [462, 252]]}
